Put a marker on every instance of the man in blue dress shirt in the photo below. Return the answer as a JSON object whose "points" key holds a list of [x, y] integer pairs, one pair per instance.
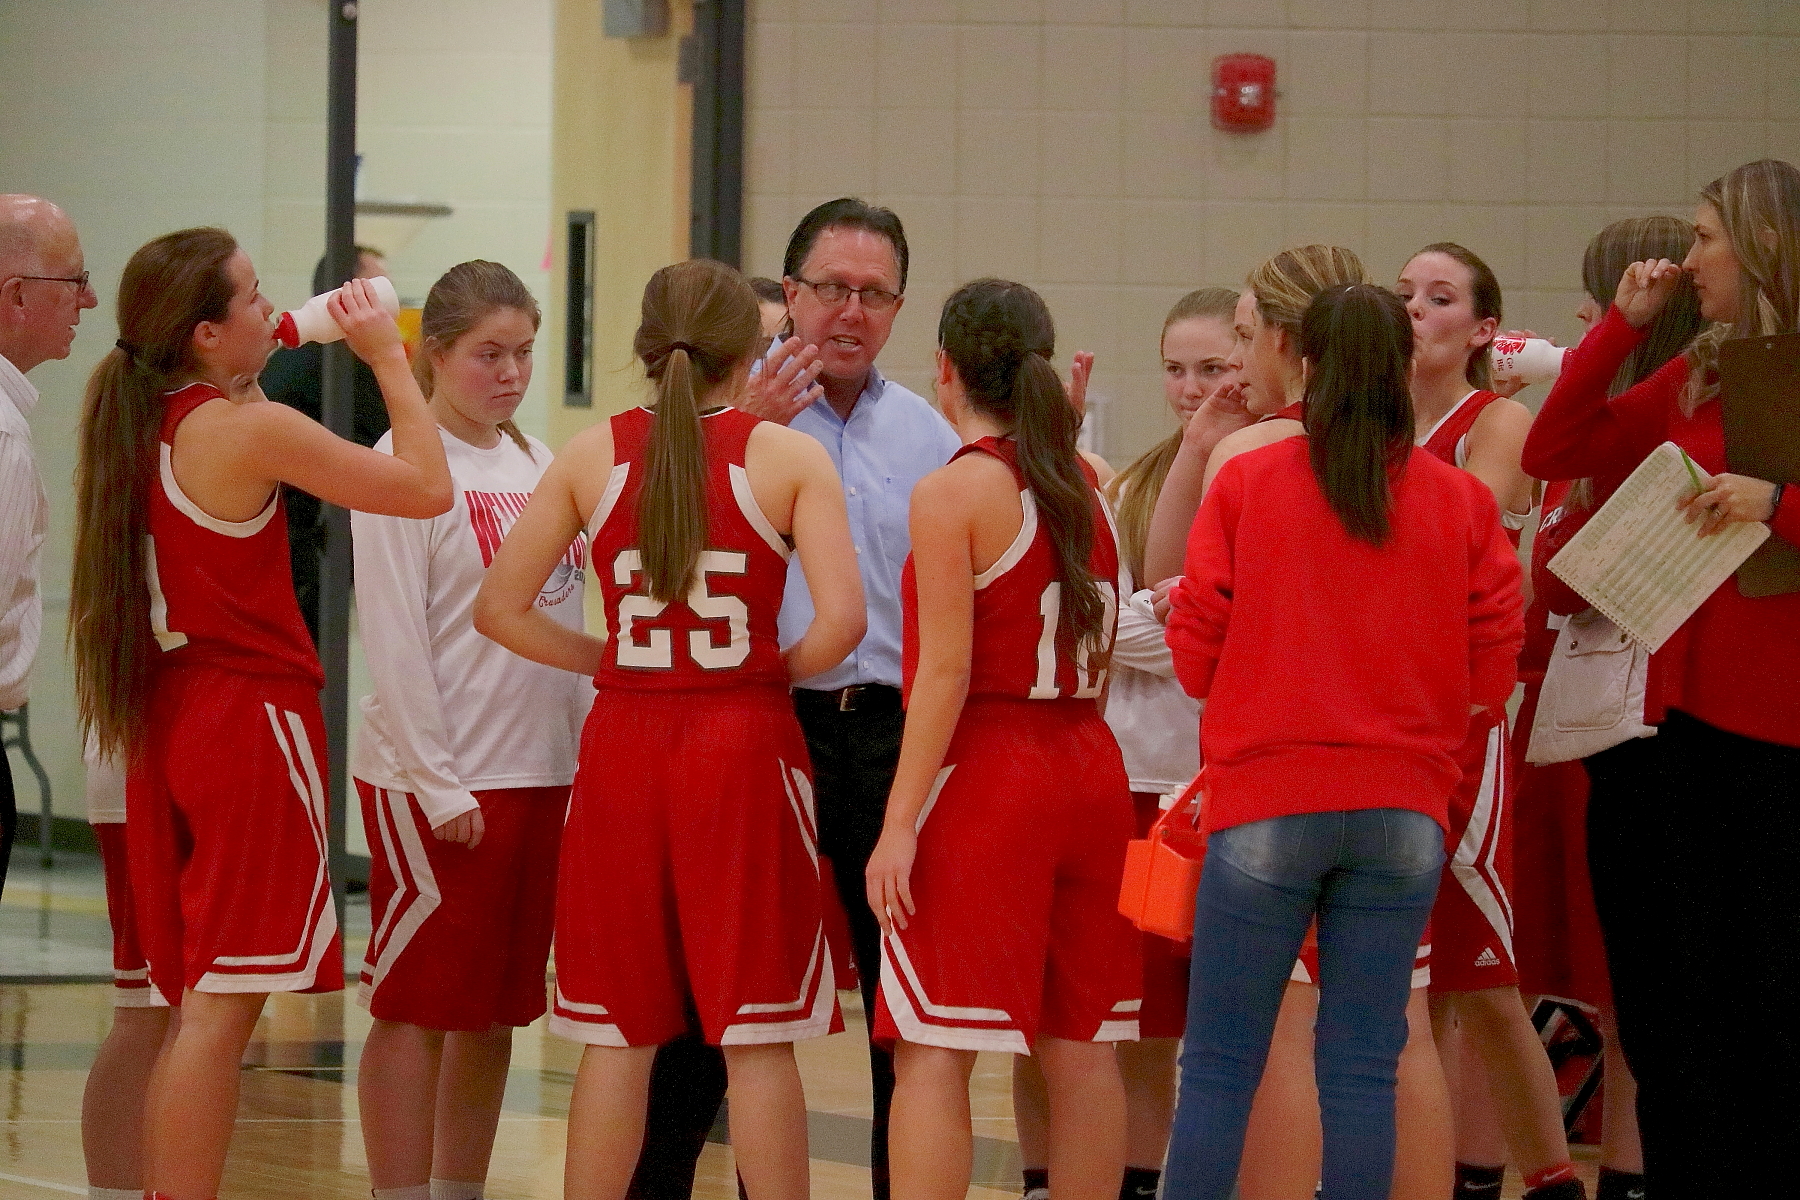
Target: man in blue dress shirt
{"points": [[845, 278]]}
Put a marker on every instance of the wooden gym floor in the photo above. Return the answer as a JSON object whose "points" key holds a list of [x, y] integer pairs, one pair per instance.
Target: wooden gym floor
{"points": [[298, 1131]]}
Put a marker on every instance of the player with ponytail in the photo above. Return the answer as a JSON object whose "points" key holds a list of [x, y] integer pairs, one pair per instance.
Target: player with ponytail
{"points": [[690, 871], [996, 878], [1329, 743], [193, 666]]}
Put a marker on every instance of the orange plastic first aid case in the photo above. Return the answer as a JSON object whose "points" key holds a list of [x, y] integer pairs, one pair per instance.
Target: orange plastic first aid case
{"points": [[1162, 871]]}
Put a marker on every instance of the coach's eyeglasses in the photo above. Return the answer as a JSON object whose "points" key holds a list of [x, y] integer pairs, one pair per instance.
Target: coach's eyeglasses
{"points": [[834, 294], [80, 281]]}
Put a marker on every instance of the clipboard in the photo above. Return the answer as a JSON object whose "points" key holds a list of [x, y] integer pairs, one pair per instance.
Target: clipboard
{"points": [[1759, 397]]}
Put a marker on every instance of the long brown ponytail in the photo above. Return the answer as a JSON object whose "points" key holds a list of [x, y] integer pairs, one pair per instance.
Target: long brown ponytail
{"points": [[1000, 337], [461, 299], [700, 321], [170, 285], [1358, 340]]}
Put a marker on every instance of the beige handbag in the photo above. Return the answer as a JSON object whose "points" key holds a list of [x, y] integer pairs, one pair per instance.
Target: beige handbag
{"points": [[1593, 694]]}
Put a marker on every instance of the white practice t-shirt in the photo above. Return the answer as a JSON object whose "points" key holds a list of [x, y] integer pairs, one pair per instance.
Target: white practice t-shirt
{"points": [[454, 713]]}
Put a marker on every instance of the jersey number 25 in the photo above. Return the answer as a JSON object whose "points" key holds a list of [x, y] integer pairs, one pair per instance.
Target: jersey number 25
{"points": [[659, 651]]}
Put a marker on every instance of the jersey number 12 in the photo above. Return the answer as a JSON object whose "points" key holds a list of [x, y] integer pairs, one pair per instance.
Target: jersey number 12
{"points": [[1090, 676]]}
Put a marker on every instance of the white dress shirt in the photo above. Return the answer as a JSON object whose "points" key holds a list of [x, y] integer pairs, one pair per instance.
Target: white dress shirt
{"points": [[24, 519]]}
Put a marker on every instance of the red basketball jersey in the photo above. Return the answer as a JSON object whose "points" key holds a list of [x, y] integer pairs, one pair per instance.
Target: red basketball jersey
{"points": [[1444, 442], [1018, 649], [723, 635], [220, 591], [1448, 440]]}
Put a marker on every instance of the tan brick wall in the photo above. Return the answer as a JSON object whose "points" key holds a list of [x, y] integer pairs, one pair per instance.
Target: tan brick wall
{"points": [[1067, 143]]}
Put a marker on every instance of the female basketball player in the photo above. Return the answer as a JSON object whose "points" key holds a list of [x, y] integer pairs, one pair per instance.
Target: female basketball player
{"points": [[1156, 725], [1257, 415], [996, 876], [463, 765], [1327, 801], [1455, 304], [689, 863], [112, 1100], [192, 662]]}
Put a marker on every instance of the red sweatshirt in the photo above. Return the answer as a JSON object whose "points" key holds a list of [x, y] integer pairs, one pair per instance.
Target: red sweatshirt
{"points": [[1339, 675], [1736, 662]]}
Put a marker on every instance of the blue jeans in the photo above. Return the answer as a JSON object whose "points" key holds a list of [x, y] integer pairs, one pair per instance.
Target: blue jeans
{"points": [[1370, 877]]}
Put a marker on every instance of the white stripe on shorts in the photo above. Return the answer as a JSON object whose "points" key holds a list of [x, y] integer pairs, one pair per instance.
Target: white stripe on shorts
{"points": [[1474, 864], [302, 962], [416, 893]]}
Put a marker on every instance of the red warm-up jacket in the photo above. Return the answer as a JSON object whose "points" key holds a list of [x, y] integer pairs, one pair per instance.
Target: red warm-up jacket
{"points": [[1736, 662], [1339, 675]]}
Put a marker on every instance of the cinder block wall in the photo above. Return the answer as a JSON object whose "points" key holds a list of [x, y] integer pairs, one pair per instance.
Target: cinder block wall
{"points": [[1067, 143]]}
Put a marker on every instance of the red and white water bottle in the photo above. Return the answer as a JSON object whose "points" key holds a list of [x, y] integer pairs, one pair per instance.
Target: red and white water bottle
{"points": [[1535, 360], [312, 322]]}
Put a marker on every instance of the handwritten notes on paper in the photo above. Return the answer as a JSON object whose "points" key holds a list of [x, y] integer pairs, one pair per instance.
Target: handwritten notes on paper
{"points": [[1641, 563]]}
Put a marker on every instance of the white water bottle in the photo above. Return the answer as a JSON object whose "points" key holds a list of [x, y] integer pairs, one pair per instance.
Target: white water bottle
{"points": [[1534, 360], [312, 322]]}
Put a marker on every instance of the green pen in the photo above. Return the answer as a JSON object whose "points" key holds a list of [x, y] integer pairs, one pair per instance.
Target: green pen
{"points": [[1692, 473]]}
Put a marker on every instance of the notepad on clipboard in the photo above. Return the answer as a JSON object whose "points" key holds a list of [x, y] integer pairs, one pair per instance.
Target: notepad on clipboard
{"points": [[1641, 563]]}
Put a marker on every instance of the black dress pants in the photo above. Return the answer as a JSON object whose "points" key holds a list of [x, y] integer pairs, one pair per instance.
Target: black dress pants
{"points": [[1694, 845], [854, 756], [687, 1086], [855, 751]]}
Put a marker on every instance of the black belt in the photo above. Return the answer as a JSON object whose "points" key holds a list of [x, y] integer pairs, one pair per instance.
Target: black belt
{"points": [[850, 699]]}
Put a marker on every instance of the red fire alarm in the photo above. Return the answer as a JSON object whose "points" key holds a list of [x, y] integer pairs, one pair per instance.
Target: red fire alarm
{"points": [[1243, 92]]}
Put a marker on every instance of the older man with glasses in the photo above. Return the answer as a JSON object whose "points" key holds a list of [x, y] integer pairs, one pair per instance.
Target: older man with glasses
{"points": [[845, 277], [43, 288]]}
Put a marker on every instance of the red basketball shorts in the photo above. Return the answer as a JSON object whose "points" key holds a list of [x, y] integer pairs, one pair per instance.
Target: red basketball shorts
{"points": [[1166, 961], [227, 836], [460, 938], [1472, 923], [131, 974], [690, 868], [1016, 883]]}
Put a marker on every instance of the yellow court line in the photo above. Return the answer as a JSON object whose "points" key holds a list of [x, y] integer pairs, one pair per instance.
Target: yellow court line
{"points": [[24, 896]]}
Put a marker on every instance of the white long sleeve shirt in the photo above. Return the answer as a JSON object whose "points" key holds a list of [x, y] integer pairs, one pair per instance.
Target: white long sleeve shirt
{"points": [[24, 520], [454, 713], [1156, 723]]}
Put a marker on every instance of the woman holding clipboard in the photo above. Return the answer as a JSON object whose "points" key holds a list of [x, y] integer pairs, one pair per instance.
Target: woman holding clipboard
{"points": [[1692, 836]]}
